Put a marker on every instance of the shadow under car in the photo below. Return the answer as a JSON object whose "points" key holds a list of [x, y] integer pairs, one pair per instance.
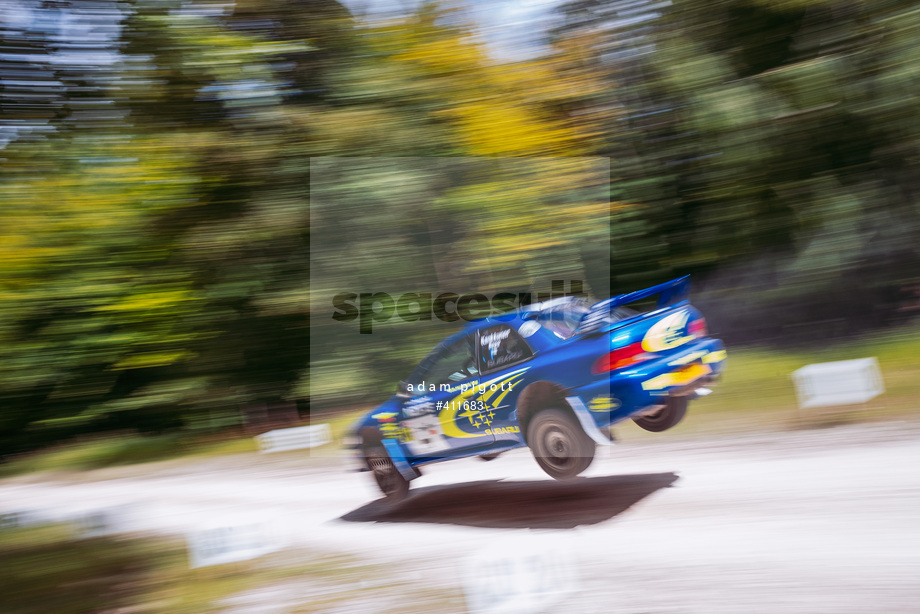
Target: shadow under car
{"points": [[545, 504]]}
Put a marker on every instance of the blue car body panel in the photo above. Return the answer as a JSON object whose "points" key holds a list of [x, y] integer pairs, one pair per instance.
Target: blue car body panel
{"points": [[475, 411]]}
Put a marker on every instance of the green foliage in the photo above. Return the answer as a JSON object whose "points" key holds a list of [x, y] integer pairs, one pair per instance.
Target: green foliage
{"points": [[772, 152], [155, 209]]}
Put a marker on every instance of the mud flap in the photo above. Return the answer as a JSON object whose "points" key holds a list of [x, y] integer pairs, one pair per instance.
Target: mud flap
{"points": [[399, 459], [587, 422]]}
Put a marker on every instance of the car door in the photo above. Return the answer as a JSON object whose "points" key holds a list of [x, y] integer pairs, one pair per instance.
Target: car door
{"points": [[504, 358], [440, 417]]}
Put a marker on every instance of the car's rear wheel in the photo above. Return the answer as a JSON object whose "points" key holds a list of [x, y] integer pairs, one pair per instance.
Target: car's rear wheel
{"points": [[391, 482], [559, 444], [666, 417]]}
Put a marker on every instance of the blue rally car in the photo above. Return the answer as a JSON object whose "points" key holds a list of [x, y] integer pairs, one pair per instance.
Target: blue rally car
{"points": [[552, 376]]}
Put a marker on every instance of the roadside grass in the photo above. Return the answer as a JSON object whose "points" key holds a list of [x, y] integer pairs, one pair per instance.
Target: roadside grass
{"points": [[129, 448], [45, 569], [102, 451]]}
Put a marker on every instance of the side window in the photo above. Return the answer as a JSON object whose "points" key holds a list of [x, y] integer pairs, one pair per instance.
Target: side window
{"points": [[455, 363], [500, 346], [557, 323], [564, 319]]}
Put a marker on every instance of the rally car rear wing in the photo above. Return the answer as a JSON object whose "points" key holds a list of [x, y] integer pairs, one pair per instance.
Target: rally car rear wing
{"points": [[598, 318]]}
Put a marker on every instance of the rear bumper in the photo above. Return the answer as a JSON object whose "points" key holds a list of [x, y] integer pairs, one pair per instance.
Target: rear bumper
{"points": [[633, 391]]}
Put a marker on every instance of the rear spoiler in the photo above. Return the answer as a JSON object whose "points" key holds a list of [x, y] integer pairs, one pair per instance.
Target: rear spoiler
{"points": [[669, 293]]}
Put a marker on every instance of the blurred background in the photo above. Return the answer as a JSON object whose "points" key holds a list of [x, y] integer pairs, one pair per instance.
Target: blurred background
{"points": [[175, 174], [156, 166]]}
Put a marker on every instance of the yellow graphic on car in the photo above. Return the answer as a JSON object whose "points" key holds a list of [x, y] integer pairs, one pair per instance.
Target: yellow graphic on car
{"points": [[681, 377], [667, 333], [478, 404], [392, 430], [603, 403]]}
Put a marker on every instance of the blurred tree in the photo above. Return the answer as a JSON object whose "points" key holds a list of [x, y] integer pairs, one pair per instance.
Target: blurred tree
{"points": [[158, 271], [155, 266], [91, 302], [770, 137]]}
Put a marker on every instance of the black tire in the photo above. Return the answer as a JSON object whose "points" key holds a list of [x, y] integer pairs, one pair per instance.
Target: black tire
{"points": [[559, 444], [667, 417], [390, 481]]}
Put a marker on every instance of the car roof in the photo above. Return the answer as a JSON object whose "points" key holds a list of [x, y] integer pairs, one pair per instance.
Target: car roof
{"points": [[520, 315], [512, 318]]}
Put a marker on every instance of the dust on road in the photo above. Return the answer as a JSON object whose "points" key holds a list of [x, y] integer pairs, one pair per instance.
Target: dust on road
{"points": [[808, 521]]}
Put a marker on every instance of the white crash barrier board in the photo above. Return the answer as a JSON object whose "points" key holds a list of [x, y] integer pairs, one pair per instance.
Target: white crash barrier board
{"points": [[520, 575], [232, 541], [281, 440], [17, 519], [113, 520], [87, 523], [844, 382]]}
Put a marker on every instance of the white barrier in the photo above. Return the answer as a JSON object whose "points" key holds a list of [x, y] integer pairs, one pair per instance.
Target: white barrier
{"points": [[17, 519], [843, 382], [87, 523], [520, 575], [281, 440], [105, 521], [230, 542]]}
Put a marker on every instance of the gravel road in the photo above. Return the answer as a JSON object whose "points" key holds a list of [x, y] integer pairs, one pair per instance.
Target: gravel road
{"points": [[819, 521]]}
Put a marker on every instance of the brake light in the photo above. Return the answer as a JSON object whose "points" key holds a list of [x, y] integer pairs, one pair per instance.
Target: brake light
{"points": [[621, 357], [697, 328]]}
